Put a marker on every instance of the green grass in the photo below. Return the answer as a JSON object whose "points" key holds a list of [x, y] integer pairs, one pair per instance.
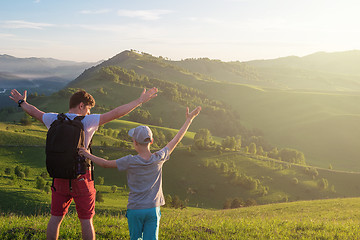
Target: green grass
{"points": [[324, 219]]}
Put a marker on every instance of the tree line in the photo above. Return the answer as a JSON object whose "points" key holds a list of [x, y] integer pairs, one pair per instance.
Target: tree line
{"points": [[225, 121]]}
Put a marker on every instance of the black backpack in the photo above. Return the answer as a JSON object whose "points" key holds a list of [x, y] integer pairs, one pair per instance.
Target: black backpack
{"points": [[63, 139]]}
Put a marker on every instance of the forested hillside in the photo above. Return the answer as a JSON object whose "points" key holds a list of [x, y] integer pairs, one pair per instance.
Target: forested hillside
{"points": [[320, 125]]}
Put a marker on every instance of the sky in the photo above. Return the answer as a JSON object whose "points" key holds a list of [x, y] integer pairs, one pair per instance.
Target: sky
{"points": [[228, 30]]}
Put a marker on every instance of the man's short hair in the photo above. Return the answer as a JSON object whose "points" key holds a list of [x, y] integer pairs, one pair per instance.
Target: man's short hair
{"points": [[81, 97]]}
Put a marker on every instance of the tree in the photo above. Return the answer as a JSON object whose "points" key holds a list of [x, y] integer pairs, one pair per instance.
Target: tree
{"points": [[250, 202], [168, 200], [21, 175], [274, 153], [113, 188], [236, 203], [228, 142], [205, 135], [199, 144], [227, 204], [224, 167], [99, 197], [140, 116], [252, 148], [27, 172], [43, 175], [19, 171], [323, 183], [292, 156], [7, 170], [26, 120], [47, 189], [100, 180], [40, 183], [260, 151], [176, 202], [295, 181]]}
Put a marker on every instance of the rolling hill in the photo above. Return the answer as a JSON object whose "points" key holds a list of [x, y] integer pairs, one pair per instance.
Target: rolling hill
{"points": [[323, 125], [303, 114]]}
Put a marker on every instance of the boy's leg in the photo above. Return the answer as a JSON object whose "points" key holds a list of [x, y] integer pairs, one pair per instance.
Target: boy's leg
{"points": [[136, 223], [152, 223], [52, 231]]}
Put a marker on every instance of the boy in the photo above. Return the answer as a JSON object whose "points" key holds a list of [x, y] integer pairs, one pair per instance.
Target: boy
{"points": [[83, 191], [144, 177]]}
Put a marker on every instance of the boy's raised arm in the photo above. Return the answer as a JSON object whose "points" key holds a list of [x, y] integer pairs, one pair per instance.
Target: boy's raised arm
{"points": [[189, 117], [98, 160], [127, 108], [27, 107]]}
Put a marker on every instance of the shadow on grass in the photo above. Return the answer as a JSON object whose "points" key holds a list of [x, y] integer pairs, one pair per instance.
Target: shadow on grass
{"points": [[16, 202]]}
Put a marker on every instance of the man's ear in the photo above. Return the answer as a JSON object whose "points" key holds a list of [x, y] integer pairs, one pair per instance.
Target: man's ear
{"points": [[81, 105]]}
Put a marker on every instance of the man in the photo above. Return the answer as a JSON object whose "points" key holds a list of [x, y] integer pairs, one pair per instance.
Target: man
{"points": [[83, 187]]}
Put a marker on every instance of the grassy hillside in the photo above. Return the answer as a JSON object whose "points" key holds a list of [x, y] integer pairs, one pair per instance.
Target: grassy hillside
{"points": [[203, 178], [322, 125]]}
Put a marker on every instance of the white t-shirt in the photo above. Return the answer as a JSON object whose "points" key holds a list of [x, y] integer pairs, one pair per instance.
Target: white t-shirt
{"points": [[90, 122]]}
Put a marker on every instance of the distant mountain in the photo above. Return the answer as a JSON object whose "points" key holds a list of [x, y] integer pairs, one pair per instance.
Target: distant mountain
{"points": [[42, 67], [40, 75], [320, 71]]}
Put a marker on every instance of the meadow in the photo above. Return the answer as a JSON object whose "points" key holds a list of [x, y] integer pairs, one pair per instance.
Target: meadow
{"points": [[320, 219], [25, 209]]}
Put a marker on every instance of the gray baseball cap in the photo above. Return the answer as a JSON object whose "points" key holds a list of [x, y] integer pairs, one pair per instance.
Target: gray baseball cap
{"points": [[141, 134]]}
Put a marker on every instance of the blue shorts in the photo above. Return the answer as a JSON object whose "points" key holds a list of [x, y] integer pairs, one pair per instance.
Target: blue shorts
{"points": [[144, 223]]}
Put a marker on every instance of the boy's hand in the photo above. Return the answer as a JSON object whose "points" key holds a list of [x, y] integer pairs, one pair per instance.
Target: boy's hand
{"points": [[193, 114], [16, 96], [83, 152], [147, 95]]}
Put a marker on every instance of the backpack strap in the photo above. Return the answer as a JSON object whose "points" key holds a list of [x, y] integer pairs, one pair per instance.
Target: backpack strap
{"points": [[80, 118], [53, 185]]}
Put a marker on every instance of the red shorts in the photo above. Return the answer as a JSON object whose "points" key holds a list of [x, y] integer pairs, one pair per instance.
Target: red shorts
{"points": [[83, 192]]}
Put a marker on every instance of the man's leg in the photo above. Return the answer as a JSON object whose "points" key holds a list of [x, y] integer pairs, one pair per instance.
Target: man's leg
{"points": [[87, 229], [52, 231], [84, 195]]}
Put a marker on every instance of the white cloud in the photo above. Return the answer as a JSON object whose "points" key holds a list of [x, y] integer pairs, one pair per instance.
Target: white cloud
{"points": [[6, 35], [24, 24], [144, 14], [101, 11]]}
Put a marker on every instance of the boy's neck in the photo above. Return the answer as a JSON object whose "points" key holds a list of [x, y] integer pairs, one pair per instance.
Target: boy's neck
{"points": [[144, 152]]}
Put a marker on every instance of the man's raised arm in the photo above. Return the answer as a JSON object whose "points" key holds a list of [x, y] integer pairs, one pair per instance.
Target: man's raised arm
{"points": [[30, 109], [127, 108]]}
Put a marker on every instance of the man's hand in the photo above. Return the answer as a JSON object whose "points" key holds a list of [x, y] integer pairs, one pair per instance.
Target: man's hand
{"points": [[16, 96], [193, 113], [147, 95], [84, 152]]}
